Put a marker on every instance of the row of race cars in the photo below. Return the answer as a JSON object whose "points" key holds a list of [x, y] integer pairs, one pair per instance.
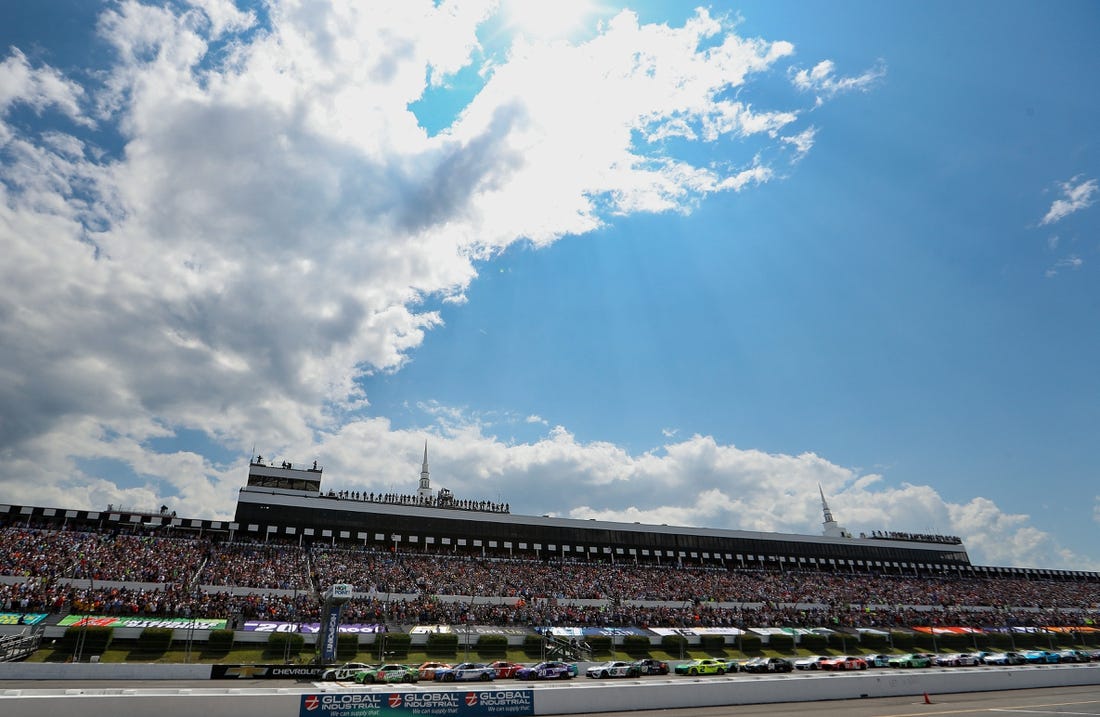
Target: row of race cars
{"points": [[556, 670]]}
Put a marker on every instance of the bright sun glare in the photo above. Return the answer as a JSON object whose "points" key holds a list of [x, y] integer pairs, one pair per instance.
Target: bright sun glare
{"points": [[547, 19]]}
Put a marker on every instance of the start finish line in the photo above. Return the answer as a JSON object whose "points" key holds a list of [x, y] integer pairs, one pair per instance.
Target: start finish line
{"points": [[456, 703]]}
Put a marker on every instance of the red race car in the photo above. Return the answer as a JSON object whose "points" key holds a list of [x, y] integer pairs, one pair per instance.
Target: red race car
{"points": [[505, 669]]}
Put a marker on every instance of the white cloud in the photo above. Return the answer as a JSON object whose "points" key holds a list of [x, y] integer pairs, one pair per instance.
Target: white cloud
{"points": [[1076, 195], [1072, 262], [825, 83], [803, 142], [278, 217], [39, 88]]}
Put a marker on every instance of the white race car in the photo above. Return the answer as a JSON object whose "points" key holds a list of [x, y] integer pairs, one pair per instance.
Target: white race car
{"points": [[614, 668], [813, 662], [343, 672]]}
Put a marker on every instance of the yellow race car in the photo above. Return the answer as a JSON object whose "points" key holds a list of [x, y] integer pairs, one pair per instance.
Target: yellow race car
{"points": [[706, 666]]}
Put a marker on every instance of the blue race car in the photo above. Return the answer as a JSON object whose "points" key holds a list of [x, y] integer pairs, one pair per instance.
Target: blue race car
{"points": [[551, 670], [466, 672]]}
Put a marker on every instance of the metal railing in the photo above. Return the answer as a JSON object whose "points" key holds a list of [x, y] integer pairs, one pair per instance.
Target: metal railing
{"points": [[17, 647]]}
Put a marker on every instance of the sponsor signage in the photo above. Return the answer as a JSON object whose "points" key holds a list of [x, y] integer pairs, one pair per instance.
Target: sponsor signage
{"points": [[178, 623], [311, 628], [493, 630], [339, 591], [594, 631], [427, 704], [266, 672], [471, 629], [695, 631], [948, 630], [330, 632], [21, 618]]}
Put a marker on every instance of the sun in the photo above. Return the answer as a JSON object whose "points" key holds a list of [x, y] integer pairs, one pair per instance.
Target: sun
{"points": [[547, 19]]}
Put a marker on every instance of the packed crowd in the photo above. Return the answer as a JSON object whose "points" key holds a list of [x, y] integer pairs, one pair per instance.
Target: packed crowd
{"points": [[63, 571], [443, 500], [917, 537]]}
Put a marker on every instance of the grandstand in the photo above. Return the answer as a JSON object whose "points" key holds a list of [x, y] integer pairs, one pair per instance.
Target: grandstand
{"points": [[430, 558]]}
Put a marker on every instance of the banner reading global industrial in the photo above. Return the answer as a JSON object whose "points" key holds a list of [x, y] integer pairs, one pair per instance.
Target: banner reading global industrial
{"points": [[456, 703]]}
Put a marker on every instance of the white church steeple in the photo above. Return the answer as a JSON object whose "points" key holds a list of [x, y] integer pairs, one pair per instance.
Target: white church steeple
{"points": [[832, 530], [425, 490]]}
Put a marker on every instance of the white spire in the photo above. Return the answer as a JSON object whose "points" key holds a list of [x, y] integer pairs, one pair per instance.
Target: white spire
{"points": [[824, 505], [832, 530], [425, 490]]}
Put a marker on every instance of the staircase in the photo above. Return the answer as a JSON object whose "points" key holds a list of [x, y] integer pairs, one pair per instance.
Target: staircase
{"points": [[558, 648], [21, 646]]}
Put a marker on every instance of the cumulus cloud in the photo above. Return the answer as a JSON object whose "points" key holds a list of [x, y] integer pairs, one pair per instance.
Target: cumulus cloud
{"points": [[39, 88], [1077, 194], [277, 221]]}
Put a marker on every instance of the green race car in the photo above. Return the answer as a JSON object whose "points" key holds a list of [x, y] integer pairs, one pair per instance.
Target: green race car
{"points": [[706, 666], [387, 673], [911, 660]]}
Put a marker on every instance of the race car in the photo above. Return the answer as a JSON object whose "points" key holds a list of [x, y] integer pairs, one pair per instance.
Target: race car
{"points": [[769, 664], [427, 670], [466, 672], [649, 666], [1042, 657], [387, 673], [706, 666], [955, 659], [505, 669], [1074, 656], [845, 662], [550, 670], [1005, 658], [878, 660], [913, 659], [345, 671], [813, 662], [613, 668]]}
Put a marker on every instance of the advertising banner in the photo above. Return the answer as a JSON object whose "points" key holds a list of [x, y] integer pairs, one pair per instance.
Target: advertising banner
{"points": [[21, 618], [494, 630], [593, 631], [696, 631], [309, 628], [948, 630], [456, 703], [329, 630], [178, 623], [266, 672], [471, 629]]}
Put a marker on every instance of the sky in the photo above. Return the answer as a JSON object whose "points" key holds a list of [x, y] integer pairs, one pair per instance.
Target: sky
{"points": [[648, 262]]}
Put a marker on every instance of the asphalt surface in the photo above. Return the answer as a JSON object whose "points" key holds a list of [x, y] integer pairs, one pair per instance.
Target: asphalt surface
{"points": [[1038, 703], [1076, 701]]}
